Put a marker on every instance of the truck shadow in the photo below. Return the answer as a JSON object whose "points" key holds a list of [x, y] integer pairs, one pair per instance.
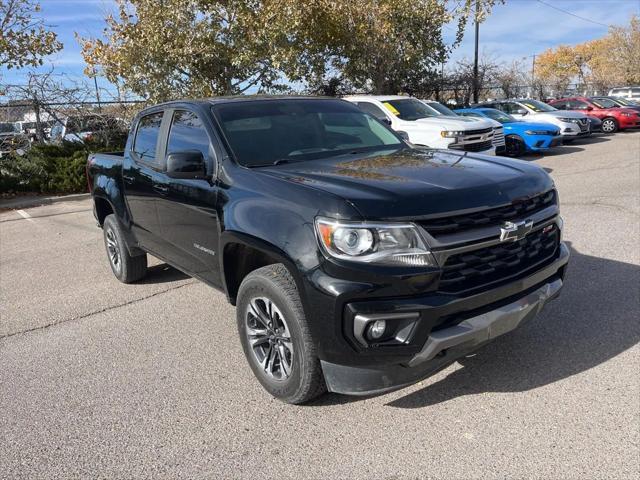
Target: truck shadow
{"points": [[162, 273], [594, 320]]}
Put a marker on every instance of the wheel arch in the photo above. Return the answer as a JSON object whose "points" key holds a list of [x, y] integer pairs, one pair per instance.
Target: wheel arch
{"points": [[241, 254]]}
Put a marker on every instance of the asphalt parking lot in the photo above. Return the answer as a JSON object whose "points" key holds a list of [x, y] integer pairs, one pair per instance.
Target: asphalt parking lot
{"points": [[100, 379]]}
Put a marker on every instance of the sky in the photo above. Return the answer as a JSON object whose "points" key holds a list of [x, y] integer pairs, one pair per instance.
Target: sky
{"points": [[514, 31]]}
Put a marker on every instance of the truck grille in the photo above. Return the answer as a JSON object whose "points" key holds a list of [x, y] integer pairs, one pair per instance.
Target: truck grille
{"points": [[486, 267], [498, 136], [473, 147], [492, 217]]}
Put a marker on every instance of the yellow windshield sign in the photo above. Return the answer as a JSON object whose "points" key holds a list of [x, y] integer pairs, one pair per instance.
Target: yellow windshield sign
{"points": [[391, 108]]}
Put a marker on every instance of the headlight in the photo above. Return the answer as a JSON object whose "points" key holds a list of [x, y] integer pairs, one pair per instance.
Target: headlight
{"points": [[372, 242], [568, 120], [539, 132], [627, 114], [451, 133]]}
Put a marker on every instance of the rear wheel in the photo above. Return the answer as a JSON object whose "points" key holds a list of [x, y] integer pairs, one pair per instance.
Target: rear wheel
{"points": [[609, 125], [515, 146], [275, 336], [125, 267]]}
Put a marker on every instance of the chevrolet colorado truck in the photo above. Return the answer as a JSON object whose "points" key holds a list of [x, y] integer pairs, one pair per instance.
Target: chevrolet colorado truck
{"points": [[358, 263]]}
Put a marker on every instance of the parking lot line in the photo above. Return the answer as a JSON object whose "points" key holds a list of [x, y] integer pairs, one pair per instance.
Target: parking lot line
{"points": [[25, 215]]}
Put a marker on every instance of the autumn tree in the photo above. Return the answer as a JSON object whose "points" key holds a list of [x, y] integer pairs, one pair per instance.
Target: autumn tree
{"points": [[601, 63], [166, 48], [24, 39]]}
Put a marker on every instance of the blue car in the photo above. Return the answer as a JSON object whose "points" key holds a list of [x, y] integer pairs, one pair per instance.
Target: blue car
{"points": [[520, 136]]}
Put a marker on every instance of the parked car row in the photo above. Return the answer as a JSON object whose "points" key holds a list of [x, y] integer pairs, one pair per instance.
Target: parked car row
{"points": [[512, 127], [70, 128]]}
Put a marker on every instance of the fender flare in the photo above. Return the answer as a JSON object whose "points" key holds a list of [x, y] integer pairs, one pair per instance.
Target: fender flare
{"points": [[233, 236]]}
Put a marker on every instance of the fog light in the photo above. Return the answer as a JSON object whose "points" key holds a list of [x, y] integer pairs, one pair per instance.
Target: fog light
{"points": [[377, 328]]}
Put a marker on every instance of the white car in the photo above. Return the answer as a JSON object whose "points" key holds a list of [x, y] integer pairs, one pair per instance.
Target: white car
{"points": [[571, 124], [498, 129], [630, 93], [424, 127]]}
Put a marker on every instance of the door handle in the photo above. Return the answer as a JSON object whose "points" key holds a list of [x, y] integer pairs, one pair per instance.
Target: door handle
{"points": [[128, 179], [163, 189]]}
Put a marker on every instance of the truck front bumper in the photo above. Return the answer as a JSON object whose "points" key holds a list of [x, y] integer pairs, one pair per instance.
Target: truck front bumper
{"points": [[445, 345]]}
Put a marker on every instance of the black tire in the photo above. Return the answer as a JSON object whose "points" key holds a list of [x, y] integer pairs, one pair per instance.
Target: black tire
{"points": [[284, 320], [609, 125], [125, 267], [515, 146]]}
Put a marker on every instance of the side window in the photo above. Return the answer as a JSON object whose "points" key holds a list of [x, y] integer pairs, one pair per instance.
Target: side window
{"points": [[187, 133], [511, 107], [372, 109], [146, 140], [576, 105]]}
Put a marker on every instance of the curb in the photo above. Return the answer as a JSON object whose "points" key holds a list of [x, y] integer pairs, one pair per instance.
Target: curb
{"points": [[29, 202]]}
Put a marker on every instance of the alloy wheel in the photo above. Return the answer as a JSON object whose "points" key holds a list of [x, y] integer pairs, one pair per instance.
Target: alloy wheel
{"points": [[113, 250], [269, 338], [608, 126]]}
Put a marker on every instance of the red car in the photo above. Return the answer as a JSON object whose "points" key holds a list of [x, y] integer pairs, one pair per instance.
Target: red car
{"points": [[613, 116]]}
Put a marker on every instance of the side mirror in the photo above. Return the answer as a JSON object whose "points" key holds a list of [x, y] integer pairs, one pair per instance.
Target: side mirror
{"points": [[521, 111], [589, 108], [186, 164], [403, 135], [386, 120]]}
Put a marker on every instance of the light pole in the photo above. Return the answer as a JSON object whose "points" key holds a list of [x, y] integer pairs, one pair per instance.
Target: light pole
{"points": [[475, 57]]}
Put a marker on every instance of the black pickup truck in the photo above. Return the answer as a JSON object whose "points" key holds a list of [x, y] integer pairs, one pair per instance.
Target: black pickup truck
{"points": [[358, 263]]}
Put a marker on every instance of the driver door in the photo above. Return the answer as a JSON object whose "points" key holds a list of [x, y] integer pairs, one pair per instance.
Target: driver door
{"points": [[187, 207]]}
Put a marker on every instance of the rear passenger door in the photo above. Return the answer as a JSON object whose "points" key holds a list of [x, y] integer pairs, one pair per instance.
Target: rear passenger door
{"points": [[187, 206], [141, 171]]}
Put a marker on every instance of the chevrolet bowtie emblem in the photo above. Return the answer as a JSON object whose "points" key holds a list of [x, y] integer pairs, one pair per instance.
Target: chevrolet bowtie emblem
{"points": [[514, 231]]}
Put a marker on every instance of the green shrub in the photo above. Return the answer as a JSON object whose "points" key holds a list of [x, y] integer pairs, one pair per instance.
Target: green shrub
{"points": [[49, 168]]}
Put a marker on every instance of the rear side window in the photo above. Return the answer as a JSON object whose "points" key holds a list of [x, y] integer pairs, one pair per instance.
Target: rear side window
{"points": [[187, 133], [577, 105], [147, 139], [372, 109]]}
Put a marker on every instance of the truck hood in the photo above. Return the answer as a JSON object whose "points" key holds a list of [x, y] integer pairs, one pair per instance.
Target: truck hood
{"points": [[447, 122], [411, 183]]}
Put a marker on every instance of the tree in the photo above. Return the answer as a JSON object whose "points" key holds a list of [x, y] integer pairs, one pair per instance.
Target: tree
{"points": [[625, 49], [162, 49], [167, 48], [24, 40], [601, 63], [511, 79], [380, 46], [557, 67]]}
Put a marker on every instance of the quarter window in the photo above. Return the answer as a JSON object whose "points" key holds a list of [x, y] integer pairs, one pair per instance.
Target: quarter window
{"points": [[147, 139], [187, 133]]}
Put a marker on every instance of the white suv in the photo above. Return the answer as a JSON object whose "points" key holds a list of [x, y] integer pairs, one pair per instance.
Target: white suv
{"points": [[630, 93], [425, 127], [571, 124]]}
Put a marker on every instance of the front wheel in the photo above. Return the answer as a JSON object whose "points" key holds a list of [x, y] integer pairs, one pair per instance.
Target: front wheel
{"points": [[609, 125], [515, 146], [275, 336]]}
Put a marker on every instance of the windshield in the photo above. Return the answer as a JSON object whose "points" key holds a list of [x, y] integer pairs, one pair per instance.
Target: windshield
{"points": [[441, 109], [409, 109], [537, 106], [498, 116], [262, 132], [7, 128], [603, 103], [621, 101]]}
